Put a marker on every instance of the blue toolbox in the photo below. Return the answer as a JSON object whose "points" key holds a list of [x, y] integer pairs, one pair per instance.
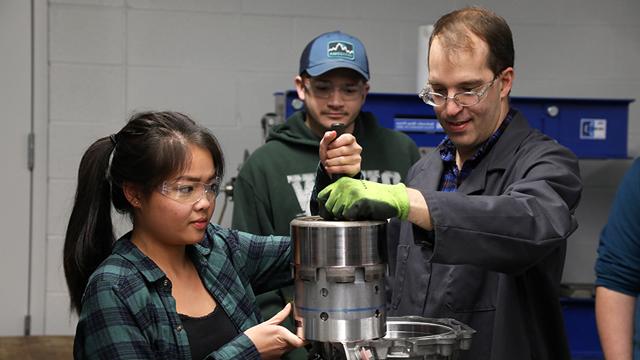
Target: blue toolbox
{"points": [[591, 128], [580, 323]]}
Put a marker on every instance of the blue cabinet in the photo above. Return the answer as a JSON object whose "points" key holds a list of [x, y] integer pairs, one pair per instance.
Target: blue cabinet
{"points": [[580, 323], [591, 128]]}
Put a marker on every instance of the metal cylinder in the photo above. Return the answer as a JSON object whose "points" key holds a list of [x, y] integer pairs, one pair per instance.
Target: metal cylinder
{"points": [[339, 270], [412, 338]]}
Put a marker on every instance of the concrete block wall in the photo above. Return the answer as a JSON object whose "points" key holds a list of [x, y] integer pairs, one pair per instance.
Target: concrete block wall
{"points": [[221, 60]]}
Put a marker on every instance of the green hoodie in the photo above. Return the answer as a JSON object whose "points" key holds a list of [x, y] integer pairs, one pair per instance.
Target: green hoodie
{"points": [[275, 183]]}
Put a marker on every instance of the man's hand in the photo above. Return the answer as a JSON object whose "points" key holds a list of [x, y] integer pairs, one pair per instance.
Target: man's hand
{"points": [[351, 199], [340, 155]]}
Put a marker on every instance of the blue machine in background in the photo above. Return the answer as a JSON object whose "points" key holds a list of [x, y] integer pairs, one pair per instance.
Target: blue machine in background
{"points": [[591, 128]]}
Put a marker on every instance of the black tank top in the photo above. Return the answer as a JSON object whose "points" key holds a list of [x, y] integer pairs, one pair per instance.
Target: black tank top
{"points": [[208, 333]]}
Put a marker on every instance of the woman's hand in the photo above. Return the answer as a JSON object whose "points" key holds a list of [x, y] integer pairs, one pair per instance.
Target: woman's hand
{"points": [[340, 154], [271, 339]]}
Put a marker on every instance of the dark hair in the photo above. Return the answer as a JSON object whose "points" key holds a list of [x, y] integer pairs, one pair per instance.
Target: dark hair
{"points": [[152, 147], [452, 29]]}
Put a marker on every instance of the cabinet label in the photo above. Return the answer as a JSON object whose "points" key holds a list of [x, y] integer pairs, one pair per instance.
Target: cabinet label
{"points": [[593, 129], [431, 126]]}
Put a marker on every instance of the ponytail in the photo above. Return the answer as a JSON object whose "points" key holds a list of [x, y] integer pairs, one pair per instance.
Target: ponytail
{"points": [[89, 238]]}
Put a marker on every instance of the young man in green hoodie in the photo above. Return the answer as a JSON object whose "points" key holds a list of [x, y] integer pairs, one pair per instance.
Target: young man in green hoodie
{"points": [[275, 183]]}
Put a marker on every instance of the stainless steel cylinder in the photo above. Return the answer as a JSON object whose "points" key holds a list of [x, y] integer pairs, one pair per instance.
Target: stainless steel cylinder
{"points": [[339, 270]]}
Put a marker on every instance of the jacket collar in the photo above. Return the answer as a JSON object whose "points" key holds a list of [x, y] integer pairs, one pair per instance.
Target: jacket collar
{"points": [[498, 158]]}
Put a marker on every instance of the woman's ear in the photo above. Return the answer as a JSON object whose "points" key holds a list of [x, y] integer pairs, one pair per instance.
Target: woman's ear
{"points": [[133, 195]]}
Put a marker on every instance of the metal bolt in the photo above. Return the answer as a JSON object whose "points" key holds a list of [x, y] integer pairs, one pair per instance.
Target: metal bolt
{"points": [[553, 111]]}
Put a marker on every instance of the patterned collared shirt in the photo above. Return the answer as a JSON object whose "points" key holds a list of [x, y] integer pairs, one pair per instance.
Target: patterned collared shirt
{"points": [[452, 177], [128, 311]]}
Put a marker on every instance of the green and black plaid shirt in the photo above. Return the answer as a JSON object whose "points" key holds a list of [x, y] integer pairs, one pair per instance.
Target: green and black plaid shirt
{"points": [[128, 311]]}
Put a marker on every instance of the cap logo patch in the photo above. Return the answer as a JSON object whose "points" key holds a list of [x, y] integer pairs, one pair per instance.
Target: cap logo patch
{"points": [[340, 50]]}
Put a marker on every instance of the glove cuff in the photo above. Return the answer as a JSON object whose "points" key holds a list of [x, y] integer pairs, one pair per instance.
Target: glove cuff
{"points": [[402, 200]]}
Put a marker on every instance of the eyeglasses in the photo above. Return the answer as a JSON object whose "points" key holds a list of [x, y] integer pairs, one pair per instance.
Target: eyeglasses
{"points": [[463, 99], [190, 192], [325, 90]]}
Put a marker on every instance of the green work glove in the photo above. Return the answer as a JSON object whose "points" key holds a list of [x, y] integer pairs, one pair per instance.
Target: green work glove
{"points": [[352, 199]]}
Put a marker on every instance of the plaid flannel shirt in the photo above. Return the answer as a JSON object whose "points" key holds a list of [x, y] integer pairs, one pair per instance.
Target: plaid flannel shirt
{"points": [[128, 311]]}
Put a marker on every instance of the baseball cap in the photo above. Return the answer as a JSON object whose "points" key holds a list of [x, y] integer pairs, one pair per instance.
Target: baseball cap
{"points": [[334, 50]]}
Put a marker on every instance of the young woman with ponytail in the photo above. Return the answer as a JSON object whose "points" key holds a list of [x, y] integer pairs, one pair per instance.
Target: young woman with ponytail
{"points": [[175, 286]]}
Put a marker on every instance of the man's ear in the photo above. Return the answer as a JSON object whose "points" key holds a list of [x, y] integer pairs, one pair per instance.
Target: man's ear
{"points": [[506, 82], [133, 195], [299, 82]]}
